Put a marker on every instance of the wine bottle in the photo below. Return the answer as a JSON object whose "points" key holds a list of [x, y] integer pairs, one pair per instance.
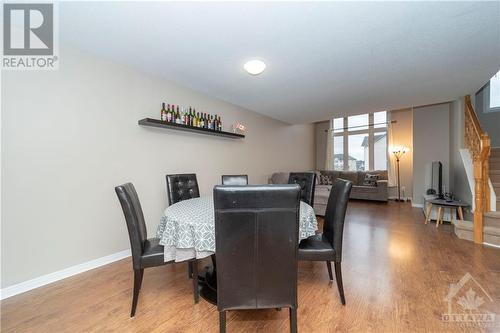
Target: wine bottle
{"points": [[169, 114], [178, 119], [163, 112], [197, 119], [220, 124]]}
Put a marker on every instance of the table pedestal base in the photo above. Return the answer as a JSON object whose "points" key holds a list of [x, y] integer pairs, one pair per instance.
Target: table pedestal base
{"points": [[208, 284]]}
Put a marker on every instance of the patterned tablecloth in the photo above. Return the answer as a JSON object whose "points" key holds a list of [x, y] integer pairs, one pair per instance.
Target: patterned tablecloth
{"points": [[187, 228]]}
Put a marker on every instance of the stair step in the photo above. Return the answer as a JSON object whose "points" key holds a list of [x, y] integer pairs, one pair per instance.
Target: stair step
{"points": [[494, 215], [495, 152], [494, 178], [492, 219], [464, 230]]}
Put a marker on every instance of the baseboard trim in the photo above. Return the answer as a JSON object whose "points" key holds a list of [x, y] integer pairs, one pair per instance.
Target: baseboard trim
{"points": [[492, 245], [62, 274], [415, 205]]}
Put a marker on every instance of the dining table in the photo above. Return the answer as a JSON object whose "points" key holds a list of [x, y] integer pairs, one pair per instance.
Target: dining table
{"points": [[187, 231]]}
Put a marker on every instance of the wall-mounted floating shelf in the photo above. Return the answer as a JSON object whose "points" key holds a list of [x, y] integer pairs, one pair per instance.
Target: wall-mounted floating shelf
{"points": [[181, 127]]}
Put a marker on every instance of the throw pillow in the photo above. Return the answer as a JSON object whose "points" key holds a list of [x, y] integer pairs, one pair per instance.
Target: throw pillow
{"points": [[325, 180], [370, 180]]}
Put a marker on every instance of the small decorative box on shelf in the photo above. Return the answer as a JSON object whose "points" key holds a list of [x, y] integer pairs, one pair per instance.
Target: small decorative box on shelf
{"points": [[181, 127]]}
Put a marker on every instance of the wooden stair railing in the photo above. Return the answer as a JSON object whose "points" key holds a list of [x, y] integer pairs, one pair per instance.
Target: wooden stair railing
{"points": [[478, 143]]}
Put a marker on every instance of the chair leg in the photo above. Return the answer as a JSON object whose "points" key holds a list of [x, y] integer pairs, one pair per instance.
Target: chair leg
{"points": [[222, 321], [190, 269], [340, 286], [293, 320], [142, 276], [196, 293], [329, 266], [214, 260], [137, 287]]}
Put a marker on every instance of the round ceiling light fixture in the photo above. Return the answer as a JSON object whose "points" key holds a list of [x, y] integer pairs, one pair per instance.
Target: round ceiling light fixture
{"points": [[254, 67]]}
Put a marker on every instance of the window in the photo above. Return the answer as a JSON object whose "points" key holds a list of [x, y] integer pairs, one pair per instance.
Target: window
{"points": [[338, 153], [495, 91], [359, 122], [360, 142], [358, 149]]}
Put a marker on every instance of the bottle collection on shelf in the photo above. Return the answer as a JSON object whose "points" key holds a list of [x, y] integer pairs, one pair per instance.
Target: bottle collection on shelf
{"points": [[189, 117]]}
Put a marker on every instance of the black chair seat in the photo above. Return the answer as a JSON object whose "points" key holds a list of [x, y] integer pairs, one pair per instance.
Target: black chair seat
{"points": [[316, 248], [153, 253]]}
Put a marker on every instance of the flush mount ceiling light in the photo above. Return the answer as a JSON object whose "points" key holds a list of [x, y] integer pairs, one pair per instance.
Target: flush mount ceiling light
{"points": [[254, 67]]}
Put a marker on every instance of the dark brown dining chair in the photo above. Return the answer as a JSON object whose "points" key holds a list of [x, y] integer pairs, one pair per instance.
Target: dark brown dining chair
{"points": [[234, 180], [145, 252], [307, 182], [327, 246], [182, 187], [256, 235]]}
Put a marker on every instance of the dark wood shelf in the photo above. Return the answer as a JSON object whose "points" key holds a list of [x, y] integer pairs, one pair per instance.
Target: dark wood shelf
{"points": [[181, 127]]}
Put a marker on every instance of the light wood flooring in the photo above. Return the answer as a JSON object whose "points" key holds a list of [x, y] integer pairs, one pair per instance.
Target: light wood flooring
{"points": [[397, 272]]}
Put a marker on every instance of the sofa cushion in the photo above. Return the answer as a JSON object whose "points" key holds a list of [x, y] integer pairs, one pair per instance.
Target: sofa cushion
{"points": [[332, 175], [382, 174], [350, 175], [364, 189], [321, 194]]}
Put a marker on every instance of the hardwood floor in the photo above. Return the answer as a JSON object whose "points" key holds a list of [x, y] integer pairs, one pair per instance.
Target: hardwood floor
{"points": [[396, 269]]}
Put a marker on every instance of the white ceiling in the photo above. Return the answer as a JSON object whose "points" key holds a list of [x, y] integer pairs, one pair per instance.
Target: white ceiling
{"points": [[323, 58]]}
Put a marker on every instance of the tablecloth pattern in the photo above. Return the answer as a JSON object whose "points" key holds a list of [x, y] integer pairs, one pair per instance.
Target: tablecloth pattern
{"points": [[187, 228]]}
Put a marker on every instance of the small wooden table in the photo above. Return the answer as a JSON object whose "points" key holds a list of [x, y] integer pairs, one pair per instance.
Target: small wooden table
{"points": [[452, 205]]}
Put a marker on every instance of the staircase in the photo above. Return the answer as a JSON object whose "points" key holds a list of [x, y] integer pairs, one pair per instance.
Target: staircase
{"points": [[491, 234], [485, 229]]}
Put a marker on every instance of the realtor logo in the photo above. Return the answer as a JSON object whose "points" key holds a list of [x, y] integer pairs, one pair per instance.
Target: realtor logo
{"points": [[29, 32], [468, 304]]}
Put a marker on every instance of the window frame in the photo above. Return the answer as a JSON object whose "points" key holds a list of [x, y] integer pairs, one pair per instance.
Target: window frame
{"points": [[371, 140]]}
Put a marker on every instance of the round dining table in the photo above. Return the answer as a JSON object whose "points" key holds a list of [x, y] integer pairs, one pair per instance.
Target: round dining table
{"points": [[187, 231]]}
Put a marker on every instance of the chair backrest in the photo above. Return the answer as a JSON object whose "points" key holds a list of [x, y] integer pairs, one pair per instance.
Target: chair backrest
{"points": [[234, 180], [134, 217], [307, 182], [182, 187], [335, 214], [256, 235]]}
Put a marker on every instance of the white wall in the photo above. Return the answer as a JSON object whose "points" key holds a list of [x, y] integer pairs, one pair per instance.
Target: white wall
{"points": [[489, 119], [431, 142], [321, 137], [70, 136]]}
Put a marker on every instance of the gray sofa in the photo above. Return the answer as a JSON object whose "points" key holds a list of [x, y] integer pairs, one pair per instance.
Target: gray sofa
{"points": [[324, 179]]}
